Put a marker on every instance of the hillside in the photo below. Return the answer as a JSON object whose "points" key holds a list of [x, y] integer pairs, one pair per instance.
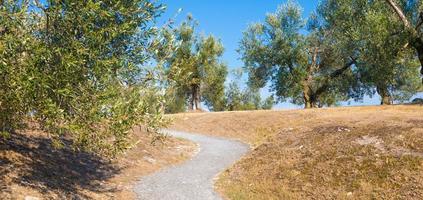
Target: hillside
{"points": [[336, 153], [31, 167]]}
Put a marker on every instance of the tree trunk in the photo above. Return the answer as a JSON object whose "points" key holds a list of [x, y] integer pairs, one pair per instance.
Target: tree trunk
{"points": [[386, 98], [192, 99], [194, 102], [307, 91], [308, 103], [419, 49], [197, 97], [310, 98]]}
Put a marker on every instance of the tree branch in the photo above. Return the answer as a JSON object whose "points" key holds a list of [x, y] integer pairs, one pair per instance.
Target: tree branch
{"points": [[39, 5], [415, 41], [402, 16], [333, 75], [420, 21]]}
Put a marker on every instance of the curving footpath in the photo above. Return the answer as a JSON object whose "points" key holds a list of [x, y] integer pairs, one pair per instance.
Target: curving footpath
{"points": [[193, 179]]}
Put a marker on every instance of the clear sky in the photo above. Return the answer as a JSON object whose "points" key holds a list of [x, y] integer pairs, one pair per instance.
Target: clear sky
{"points": [[227, 19]]}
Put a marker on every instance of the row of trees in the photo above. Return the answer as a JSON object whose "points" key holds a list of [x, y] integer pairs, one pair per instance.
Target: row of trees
{"points": [[345, 49], [89, 71], [351, 48]]}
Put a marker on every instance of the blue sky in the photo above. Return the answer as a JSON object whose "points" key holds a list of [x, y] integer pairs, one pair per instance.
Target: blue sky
{"points": [[227, 19]]}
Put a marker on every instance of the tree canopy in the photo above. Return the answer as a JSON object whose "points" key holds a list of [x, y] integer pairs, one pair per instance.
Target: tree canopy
{"points": [[89, 71], [344, 50], [196, 70], [384, 63], [77, 69], [247, 99], [302, 68]]}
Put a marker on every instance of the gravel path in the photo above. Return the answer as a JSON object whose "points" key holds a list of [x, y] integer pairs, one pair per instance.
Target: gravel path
{"points": [[193, 179]]}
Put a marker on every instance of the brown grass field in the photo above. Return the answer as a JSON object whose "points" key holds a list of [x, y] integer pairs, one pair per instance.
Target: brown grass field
{"points": [[371, 152], [30, 166]]}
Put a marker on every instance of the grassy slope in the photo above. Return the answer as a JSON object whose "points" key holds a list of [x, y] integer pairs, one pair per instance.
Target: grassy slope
{"points": [[29, 166], [339, 153]]}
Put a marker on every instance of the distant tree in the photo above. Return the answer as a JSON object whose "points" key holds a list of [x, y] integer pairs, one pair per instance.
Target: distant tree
{"points": [[247, 99], [233, 97], [268, 103], [302, 68], [196, 69]]}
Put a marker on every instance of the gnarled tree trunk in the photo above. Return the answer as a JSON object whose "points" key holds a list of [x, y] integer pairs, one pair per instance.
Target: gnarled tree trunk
{"points": [[308, 96], [307, 102], [419, 49], [191, 104], [386, 98], [191, 99], [197, 99], [194, 101]]}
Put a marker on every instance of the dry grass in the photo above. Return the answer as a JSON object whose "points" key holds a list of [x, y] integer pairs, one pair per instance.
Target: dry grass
{"points": [[338, 153], [29, 166]]}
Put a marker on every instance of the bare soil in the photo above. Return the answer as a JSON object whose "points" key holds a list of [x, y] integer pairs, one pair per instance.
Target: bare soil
{"points": [[337, 153], [31, 167]]}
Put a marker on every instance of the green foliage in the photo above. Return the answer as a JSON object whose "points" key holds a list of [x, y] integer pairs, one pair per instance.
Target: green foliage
{"points": [[374, 34], [195, 71], [352, 48], [302, 68], [214, 89], [268, 103], [89, 71], [247, 99], [175, 100], [15, 69], [76, 68]]}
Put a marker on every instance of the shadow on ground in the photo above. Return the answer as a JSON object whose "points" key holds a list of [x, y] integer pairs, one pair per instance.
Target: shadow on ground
{"points": [[30, 161]]}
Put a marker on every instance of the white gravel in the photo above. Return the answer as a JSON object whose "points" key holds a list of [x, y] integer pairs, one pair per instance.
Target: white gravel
{"points": [[193, 179]]}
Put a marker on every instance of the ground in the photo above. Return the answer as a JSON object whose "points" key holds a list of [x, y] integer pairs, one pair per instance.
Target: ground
{"points": [[335, 153], [29, 166], [192, 179]]}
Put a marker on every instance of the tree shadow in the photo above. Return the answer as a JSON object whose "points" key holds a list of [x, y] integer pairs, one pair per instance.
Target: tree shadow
{"points": [[32, 161]]}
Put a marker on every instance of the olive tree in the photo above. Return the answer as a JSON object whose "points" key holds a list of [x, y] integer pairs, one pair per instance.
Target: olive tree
{"points": [[301, 67], [78, 68], [383, 62], [196, 70]]}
